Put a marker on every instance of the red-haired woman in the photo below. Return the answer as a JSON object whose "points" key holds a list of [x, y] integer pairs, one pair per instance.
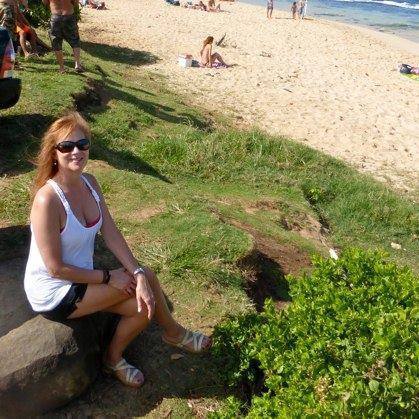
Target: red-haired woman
{"points": [[67, 212], [208, 58]]}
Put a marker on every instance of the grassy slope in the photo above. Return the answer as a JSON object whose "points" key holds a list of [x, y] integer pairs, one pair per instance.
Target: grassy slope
{"points": [[167, 172]]}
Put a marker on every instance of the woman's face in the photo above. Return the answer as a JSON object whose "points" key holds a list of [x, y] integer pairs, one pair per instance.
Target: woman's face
{"points": [[76, 159]]}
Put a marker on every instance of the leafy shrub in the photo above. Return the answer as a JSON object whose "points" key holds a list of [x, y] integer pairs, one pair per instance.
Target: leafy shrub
{"points": [[39, 14], [346, 346]]}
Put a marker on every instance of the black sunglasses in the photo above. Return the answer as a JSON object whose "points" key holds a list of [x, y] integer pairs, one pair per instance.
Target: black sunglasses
{"points": [[68, 146]]}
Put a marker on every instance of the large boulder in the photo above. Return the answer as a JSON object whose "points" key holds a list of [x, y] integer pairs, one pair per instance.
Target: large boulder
{"points": [[15, 309], [45, 364]]}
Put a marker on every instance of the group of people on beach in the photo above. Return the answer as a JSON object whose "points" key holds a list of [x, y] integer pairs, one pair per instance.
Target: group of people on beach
{"points": [[211, 6], [12, 18], [298, 9], [63, 26]]}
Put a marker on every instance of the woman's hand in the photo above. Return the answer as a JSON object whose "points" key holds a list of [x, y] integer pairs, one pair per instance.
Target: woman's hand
{"points": [[122, 280], [145, 296]]}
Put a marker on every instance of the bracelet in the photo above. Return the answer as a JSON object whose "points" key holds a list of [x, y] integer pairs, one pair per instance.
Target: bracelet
{"points": [[139, 270], [106, 276]]}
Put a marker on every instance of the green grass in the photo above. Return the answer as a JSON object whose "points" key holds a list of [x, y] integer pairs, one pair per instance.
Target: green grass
{"points": [[152, 153]]}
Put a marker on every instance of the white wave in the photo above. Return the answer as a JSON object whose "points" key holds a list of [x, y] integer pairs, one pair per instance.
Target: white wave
{"points": [[403, 5]]}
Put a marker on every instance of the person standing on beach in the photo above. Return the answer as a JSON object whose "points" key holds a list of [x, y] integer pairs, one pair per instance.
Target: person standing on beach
{"points": [[303, 9], [294, 10], [269, 8], [64, 27]]}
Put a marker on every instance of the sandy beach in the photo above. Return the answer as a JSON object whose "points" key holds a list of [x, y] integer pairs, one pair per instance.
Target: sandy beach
{"points": [[328, 85]]}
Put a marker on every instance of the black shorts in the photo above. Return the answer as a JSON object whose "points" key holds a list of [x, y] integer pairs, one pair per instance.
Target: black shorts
{"points": [[68, 304], [64, 28]]}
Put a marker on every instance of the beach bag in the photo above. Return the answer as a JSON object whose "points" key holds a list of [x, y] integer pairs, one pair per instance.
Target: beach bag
{"points": [[405, 69], [185, 60]]}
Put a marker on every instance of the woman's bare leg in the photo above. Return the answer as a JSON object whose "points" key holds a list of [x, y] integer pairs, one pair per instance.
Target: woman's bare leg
{"points": [[100, 297], [34, 48], [131, 324], [22, 41], [173, 331], [217, 56]]}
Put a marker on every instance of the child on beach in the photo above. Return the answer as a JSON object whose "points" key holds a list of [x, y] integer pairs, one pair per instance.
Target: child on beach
{"points": [[294, 10], [208, 58], [269, 8]]}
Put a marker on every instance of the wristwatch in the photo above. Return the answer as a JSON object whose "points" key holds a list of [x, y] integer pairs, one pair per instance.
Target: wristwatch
{"points": [[139, 270]]}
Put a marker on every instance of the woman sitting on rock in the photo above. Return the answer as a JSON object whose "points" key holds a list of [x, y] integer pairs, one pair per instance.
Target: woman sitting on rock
{"points": [[67, 212]]}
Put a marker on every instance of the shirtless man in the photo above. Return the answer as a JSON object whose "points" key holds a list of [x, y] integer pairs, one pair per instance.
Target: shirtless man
{"points": [[64, 27]]}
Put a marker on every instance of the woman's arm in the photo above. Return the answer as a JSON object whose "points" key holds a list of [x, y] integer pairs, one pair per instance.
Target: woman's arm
{"points": [[45, 220], [114, 240], [119, 247], [210, 56]]}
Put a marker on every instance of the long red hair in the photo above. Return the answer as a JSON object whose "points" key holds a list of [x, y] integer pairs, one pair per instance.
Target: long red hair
{"points": [[208, 40], [58, 131]]}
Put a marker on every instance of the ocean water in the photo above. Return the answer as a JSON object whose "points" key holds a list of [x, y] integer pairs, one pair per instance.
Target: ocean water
{"points": [[400, 17]]}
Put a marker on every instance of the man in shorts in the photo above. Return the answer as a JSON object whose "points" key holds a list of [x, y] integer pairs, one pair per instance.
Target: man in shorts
{"points": [[64, 27]]}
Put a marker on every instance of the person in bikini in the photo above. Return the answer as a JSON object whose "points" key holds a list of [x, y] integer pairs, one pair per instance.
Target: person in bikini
{"points": [[294, 10], [212, 7], [208, 58], [64, 27], [68, 211]]}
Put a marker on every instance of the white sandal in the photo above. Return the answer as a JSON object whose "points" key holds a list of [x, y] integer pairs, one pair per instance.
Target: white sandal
{"points": [[129, 378], [196, 338]]}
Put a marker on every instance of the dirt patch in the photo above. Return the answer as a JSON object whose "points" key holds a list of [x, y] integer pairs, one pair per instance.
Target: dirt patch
{"points": [[309, 228], [147, 212], [305, 225], [14, 242], [267, 205], [266, 266], [94, 95]]}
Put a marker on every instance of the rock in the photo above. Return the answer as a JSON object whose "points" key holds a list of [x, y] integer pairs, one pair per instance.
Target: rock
{"points": [[333, 254], [45, 364], [15, 309]]}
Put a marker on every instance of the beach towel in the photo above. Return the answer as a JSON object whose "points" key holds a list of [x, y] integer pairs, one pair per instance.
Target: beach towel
{"points": [[412, 76], [196, 63]]}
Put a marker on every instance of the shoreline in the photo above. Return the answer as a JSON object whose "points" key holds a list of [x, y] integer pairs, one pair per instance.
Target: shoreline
{"points": [[393, 40], [340, 94], [316, 16]]}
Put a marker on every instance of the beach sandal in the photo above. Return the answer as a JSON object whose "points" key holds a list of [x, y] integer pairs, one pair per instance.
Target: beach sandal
{"points": [[125, 373], [196, 338]]}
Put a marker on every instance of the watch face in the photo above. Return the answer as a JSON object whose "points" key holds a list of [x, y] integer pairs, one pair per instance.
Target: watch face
{"points": [[139, 271]]}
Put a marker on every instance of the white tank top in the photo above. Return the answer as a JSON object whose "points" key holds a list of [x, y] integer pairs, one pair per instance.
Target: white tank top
{"points": [[77, 245]]}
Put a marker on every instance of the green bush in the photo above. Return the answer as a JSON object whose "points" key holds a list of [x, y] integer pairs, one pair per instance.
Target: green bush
{"points": [[346, 346], [39, 15]]}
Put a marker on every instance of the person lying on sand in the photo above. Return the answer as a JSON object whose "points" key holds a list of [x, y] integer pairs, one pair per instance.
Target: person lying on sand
{"points": [[212, 8], [208, 58], [201, 6], [95, 4]]}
